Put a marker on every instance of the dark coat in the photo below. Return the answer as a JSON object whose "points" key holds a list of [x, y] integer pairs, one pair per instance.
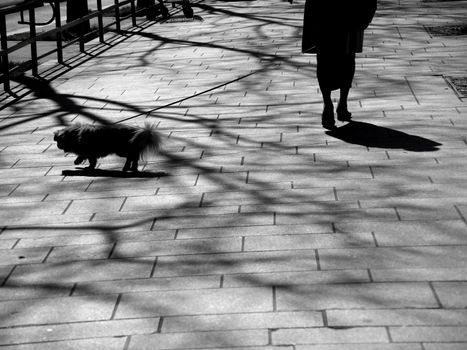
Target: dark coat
{"points": [[336, 26]]}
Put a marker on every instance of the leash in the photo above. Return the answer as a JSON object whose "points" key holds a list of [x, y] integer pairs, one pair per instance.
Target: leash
{"points": [[148, 113]]}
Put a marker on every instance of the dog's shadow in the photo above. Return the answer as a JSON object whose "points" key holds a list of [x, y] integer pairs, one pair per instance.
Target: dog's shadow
{"points": [[113, 173]]}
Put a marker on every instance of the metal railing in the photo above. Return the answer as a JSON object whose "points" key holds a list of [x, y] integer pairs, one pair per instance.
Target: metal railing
{"points": [[18, 6]]}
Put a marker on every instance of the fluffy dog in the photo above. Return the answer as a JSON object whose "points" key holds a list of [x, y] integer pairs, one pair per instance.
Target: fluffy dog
{"points": [[91, 142]]}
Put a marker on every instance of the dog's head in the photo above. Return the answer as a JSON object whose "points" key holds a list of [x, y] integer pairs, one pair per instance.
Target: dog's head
{"points": [[67, 138]]}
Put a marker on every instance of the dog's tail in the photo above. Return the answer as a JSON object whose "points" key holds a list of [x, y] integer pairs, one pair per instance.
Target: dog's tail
{"points": [[146, 140]]}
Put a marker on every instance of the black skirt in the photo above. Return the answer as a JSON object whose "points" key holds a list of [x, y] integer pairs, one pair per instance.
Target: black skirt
{"points": [[335, 71]]}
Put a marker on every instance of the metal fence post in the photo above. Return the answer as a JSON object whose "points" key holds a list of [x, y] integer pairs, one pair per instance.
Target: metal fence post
{"points": [[4, 46], [32, 36], [58, 24], [117, 16], [100, 21], [133, 12]]}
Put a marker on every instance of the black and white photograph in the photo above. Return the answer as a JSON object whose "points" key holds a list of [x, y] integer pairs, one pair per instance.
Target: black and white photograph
{"points": [[233, 174]]}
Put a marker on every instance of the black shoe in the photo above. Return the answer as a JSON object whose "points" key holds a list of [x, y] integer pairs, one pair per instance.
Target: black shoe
{"points": [[327, 119], [343, 115]]}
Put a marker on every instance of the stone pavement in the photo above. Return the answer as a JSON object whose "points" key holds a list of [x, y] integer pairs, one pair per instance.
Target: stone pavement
{"points": [[254, 228]]}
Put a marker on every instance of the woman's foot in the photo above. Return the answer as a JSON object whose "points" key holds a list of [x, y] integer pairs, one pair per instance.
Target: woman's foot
{"points": [[327, 118], [343, 114]]}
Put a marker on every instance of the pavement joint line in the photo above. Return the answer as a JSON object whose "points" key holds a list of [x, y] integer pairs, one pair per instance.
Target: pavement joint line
{"points": [[459, 212], [8, 276], [47, 255], [388, 333], [374, 239], [13, 190], [370, 276], [160, 324], [109, 256], [154, 221], [16, 243], [73, 288], [117, 303], [435, 295], [318, 263], [123, 203], [49, 170], [13, 165], [126, 346], [68, 206], [153, 268], [274, 299]]}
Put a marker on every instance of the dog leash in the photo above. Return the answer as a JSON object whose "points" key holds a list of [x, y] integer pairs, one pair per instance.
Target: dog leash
{"points": [[186, 98]]}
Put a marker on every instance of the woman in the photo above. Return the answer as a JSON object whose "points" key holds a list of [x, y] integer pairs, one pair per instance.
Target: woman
{"points": [[333, 29]]}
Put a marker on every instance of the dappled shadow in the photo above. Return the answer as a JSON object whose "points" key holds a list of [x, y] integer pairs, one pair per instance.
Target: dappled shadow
{"points": [[256, 197], [370, 135]]}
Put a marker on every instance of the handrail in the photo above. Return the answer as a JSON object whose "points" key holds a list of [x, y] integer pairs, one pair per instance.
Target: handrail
{"points": [[23, 21], [14, 6]]}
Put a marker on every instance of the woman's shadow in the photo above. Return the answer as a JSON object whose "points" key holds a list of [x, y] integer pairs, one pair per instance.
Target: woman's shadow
{"points": [[370, 135]]}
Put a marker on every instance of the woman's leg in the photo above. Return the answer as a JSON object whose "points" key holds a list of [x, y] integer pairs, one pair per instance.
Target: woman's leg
{"points": [[327, 117], [325, 81], [343, 113]]}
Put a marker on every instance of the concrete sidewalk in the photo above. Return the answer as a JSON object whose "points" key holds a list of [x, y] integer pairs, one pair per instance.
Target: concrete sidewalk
{"points": [[254, 229]]}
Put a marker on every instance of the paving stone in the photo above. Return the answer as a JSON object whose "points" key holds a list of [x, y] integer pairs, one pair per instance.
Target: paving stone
{"points": [[7, 243], [444, 346], [216, 221], [85, 344], [203, 340], [23, 256], [451, 227], [235, 263], [81, 330], [295, 278], [195, 302], [428, 334], [269, 197], [147, 284], [452, 294], [74, 239], [160, 202], [242, 321], [347, 215], [400, 317], [330, 336], [73, 253], [80, 271], [307, 241], [362, 346], [388, 258], [427, 274], [177, 247], [253, 230], [369, 296], [95, 205], [56, 310]]}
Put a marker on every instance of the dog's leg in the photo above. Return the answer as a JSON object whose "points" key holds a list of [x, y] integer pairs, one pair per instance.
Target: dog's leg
{"points": [[134, 166], [126, 167], [80, 159], [92, 163]]}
